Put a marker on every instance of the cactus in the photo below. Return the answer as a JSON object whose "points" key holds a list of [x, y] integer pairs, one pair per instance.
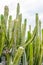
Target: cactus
{"points": [[13, 42], [18, 10], [6, 13], [2, 34]]}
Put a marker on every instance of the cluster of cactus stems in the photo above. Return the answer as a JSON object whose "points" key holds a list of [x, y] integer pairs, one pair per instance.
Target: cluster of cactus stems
{"points": [[14, 47]]}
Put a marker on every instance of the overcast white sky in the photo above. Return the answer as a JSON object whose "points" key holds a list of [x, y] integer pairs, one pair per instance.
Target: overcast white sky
{"points": [[28, 8]]}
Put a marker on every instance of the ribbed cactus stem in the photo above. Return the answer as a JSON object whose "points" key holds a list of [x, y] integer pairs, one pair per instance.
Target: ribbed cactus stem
{"points": [[2, 34], [19, 28], [40, 29], [37, 23], [0, 40], [18, 55], [23, 31], [24, 58], [18, 10], [6, 12], [10, 26]]}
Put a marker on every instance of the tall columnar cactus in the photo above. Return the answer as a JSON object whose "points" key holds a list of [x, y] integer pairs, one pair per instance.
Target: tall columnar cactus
{"points": [[40, 29], [23, 31], [37, 20], [6, 13], [18, 55], [36, 42], [18, 29], [40, 53], [18, 10], [24, 58], [10, 26], [29, 49], [2, 34], [13, 43], [42, 45]]}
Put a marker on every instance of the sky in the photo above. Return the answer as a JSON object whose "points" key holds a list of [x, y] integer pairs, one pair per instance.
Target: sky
{"points": [[28, 8]]}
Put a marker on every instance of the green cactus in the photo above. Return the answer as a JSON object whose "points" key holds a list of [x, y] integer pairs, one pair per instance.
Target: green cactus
{"points": [[18, 10], [2, 34], [18, 48]]}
